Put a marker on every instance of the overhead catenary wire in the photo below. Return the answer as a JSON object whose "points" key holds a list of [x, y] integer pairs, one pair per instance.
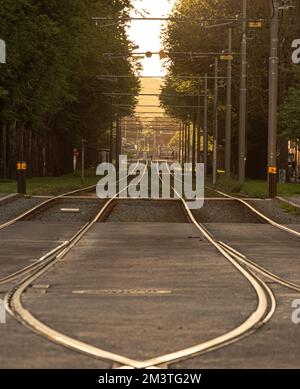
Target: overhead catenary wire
{"points": [[183, 77], [151, 94]]}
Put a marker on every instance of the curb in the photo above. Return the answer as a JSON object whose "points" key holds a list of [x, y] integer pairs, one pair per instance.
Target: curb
{"points": [[7, 198], [288, 202]]}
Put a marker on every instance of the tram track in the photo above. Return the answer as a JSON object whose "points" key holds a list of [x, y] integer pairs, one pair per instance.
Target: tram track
{"points": [[13, 299], [266, 303], [45, 259], [250, 263], [243, 259], [42, 205]]}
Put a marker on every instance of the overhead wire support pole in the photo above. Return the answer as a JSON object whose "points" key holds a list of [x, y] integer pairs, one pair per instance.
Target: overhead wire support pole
{"points": [[273, 102], [111, 146], [194, 146], [118, 142], [215, 130], [243, 97], [83, 142], [199, 129], [179, 143], [183, 143], [205, 126], [228, 110], [189, 139], [186, 160]]}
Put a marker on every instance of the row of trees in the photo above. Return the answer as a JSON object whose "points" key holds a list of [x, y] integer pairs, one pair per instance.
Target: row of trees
{"points": [[50, 96], [194, 37]]}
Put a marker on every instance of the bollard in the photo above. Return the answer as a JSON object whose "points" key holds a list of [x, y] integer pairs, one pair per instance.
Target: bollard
{"points": [[21, 177]]}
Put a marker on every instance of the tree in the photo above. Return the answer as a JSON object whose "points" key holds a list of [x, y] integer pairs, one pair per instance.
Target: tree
{"points": [[49, 92], [289, 115]]}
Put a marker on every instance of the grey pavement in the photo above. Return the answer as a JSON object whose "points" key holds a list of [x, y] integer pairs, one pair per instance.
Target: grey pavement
{"points": [[143, 289]]}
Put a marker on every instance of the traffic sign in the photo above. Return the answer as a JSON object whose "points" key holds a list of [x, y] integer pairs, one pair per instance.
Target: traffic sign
{"points": [[272, 170], [226, 57], [76, 153], [21, 166], [256, 24]]}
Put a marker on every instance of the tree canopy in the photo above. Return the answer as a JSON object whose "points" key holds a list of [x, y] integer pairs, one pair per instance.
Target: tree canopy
{"points": [[55, 50]]}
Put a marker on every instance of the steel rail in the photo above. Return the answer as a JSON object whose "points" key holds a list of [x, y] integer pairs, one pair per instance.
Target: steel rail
{"points": [[47, 202], [13, 303], [47, 257], [13, 299], [258, 213], [244, 259], [39, 206], [258, 318]]}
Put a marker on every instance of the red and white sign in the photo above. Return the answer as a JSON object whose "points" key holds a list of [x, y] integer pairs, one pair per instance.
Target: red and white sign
{"points": [[76, 153]]}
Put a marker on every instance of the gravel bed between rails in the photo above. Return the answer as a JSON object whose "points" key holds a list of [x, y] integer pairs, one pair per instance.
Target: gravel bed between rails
{"points": [[150, 211], [17, 206], [271, 208], [224, 212], [52, 213]]}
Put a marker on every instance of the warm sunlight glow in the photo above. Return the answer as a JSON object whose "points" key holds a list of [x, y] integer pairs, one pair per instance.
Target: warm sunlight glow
{"points": [[146, 34]]}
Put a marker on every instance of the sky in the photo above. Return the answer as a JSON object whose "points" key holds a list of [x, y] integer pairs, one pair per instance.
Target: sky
{"points": [[146, 34]]}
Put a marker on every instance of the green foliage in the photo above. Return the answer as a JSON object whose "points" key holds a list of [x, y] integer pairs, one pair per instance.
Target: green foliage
{"points": [[289, 116], [54, 53], [229, 185]]}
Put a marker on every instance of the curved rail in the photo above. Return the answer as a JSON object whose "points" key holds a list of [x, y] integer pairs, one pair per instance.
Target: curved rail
{"points": [[13, 299], [263, 313]]}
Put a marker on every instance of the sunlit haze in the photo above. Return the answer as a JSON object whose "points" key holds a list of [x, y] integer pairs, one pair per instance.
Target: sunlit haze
{"points": [[146, 34]]}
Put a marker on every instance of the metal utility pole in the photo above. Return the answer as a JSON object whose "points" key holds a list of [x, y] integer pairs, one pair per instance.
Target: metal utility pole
{"points": [[179, 144], [205, 127], [83, 142], [228, 109], [189, 140], [111, 145], [118, 142], [154, 145], [183, 143], [194, 146], [273, 102], [243, 98], [199, 127], [215, 151], [137, 142]]}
